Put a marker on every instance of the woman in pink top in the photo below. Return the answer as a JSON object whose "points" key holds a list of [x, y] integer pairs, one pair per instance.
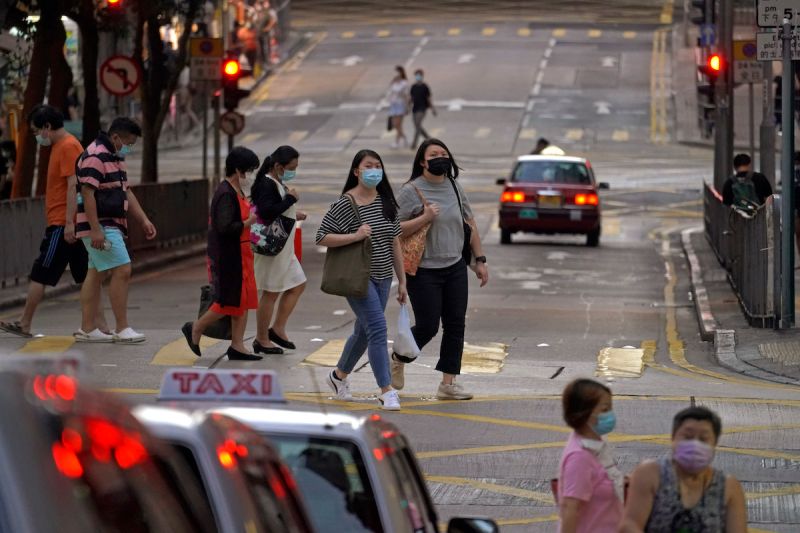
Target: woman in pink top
{"points": [[590, 487]]}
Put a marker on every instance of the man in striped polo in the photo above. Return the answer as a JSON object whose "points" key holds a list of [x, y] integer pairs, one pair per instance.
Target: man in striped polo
{"points": [[102, 223]]}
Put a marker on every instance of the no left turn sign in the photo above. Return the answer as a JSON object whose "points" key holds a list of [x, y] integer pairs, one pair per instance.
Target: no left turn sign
{"points": [[120, 75]]}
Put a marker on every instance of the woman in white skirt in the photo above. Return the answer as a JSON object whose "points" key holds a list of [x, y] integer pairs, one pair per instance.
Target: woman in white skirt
{"points": [[278, 277], [399, 98]]}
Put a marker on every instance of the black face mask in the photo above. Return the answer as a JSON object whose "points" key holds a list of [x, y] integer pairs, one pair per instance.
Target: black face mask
{"points": [[439, 166]]}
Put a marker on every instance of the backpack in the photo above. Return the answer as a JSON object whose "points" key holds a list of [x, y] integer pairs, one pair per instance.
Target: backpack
{"points": [[745, 198]]}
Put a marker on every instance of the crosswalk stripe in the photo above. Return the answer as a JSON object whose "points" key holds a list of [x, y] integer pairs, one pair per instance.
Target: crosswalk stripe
{"points": [[48, 344], [251, 137], [383, 33], [488, 32], [574, 134], [559, 32], [436, 132], [482, 133], [178, 353], [527, 133], [524, 32], [297, 135], [621, 135], [386, 134], [594, 34], [611, 226], [419, 32], [629, 35], [348, 34], [454, 31], [343, 134]]}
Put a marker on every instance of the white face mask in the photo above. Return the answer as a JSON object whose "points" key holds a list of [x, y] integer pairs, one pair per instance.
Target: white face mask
{"points": [[245, 182]]}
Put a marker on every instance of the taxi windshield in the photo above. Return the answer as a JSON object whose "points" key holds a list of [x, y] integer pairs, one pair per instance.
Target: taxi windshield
{"points": [[331, 474], [552, 172]]}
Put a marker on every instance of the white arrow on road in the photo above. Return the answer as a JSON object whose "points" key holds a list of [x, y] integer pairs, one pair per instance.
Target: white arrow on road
{"points": [[465, 58], [603, 108], [609, 61], [304, 107], [349, 61]]}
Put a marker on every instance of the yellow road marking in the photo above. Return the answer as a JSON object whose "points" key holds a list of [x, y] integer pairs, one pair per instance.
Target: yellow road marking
{"points": [[629, 35], [297, 135], [437, 132], [131, 391], [251, 137], [620, 135], [534, 520], [419, 32], [594, 34], [454, 31], [48, 344], [524, 32], [574, 134], [620, 362], [383, 33], [343, 134], [559, 32], [488, 32], [527, 133], [611, 226], [666, 12], [178, 353], [658, 90], [544, 497], [348, 34], [482, 133]]}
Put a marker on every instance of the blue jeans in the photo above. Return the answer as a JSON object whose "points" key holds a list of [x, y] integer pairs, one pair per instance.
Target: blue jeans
{"points": [[369, 332]]}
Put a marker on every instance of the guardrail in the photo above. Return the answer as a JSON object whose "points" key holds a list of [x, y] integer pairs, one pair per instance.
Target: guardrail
{"points": [[749, 249], [179, 211]]}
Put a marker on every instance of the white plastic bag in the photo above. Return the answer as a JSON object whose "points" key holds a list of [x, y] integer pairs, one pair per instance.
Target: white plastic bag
{"points": [[404, 343]]}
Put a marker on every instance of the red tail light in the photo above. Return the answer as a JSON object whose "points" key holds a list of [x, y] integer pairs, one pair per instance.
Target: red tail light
{"points": [[378, 453], [277, 488], [66, 461], [586, 199], [514, 197]]}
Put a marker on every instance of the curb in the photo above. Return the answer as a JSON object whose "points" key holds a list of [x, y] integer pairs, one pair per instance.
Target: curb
{"points": [[153, 262]]}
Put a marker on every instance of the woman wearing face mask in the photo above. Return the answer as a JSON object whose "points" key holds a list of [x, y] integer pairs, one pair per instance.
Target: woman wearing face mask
{"points": [[230, 259], [590, 486], [683, 492], [278, 277], [398, 105], [439, 289], [369, 188]]}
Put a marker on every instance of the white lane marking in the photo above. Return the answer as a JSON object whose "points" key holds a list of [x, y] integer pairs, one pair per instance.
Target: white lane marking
{"points": [[483, 133], [340, 312], [465, 58], [603, 108]]}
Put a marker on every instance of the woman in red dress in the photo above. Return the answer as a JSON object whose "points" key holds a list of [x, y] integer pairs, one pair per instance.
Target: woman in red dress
{"points": [[230, 258]]}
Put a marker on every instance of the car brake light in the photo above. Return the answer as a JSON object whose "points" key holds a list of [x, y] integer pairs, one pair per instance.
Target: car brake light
{"points": [[515, 197], [378, 453], [226, 458], [586, 199], [66, 461], [277, 488]]}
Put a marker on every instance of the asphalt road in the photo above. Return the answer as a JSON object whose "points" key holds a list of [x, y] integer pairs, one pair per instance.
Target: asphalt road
{"points": [[553, 308]]}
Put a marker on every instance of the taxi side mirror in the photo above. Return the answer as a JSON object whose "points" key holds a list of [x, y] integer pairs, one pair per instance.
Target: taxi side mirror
{"points": [[472, 525], [500, 181], [604, 185]]}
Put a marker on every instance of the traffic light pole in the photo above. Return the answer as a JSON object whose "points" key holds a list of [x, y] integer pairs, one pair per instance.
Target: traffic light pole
{"points": [[217, 143], [767, 129], [723, 127], [787, 181]]}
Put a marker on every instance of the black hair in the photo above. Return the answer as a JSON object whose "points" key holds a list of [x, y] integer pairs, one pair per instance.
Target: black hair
{"points": [[419, 71], [11, 148], [401, 70], [124, 125], [702, 414], [283, 155], [416, 167], [240, 159], [384, 188], [579, 399], [43, 114], [543, 141], [797, 157], [741, 160]]}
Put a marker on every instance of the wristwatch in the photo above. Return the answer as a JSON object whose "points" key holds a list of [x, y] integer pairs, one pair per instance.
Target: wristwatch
{"points": [[481, 259]]}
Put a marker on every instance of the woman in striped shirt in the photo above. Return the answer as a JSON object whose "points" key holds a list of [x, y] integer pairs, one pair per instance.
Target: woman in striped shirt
{"points": [[369, 188]]}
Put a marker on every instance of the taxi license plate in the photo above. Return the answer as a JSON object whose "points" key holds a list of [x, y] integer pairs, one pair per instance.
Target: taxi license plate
{"points": [[549, 201], [529, 213]]}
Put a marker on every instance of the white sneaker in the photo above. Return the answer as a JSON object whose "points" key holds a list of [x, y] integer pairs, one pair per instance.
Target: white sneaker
{"points": [[129, 336], [390, 400], [93, 336], [340, 387]]}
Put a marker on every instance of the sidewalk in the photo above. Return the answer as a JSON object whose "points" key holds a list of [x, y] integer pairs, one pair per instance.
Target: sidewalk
{"points": [[761, 353]]}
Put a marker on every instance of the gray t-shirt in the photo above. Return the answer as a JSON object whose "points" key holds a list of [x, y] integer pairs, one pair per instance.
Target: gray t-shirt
{"points": [[446, 236]]}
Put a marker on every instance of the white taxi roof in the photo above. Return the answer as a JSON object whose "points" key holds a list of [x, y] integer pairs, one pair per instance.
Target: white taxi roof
{"points": [[564, 158], [294, 421]]}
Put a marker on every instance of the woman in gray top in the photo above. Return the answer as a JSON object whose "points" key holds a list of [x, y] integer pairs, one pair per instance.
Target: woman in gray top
{"points": [[438, 289], [683, 493]]}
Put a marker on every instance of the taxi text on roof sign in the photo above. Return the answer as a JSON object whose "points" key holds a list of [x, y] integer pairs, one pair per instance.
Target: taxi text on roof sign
{"points": [[221, 385]]}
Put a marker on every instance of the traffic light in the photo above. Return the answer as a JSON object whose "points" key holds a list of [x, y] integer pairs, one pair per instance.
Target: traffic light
{"points": [[705, 14], [231, 72], [115, 6], [715, 64]]}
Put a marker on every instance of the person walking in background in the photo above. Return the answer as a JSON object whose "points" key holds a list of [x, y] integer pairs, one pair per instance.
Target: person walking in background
{"points": [[230, 258], [398, 105], [745, 186], [59, 246], [102, 223], [541, 144], [590, 486], [368, 187], [439, 289], [683, 492], [278, 277], [422, 100]]}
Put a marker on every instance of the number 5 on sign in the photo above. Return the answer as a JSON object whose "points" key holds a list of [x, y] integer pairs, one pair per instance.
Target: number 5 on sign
{"points": [[770, 13]]}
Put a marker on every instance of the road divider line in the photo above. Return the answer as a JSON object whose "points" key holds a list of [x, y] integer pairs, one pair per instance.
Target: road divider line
{"points": [[543, 497], [178, 353], [48, 344]]}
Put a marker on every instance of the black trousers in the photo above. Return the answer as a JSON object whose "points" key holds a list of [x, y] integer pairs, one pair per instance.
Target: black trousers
{"points": [[440, 295]]}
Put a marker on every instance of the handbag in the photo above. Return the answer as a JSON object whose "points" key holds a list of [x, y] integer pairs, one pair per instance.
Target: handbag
{"points": [[346, 268], [221, 329], [110, 202], [413, 246], [466, 249], [270, 239]]}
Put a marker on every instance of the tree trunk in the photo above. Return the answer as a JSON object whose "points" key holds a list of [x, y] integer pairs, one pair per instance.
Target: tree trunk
{"points": [[34, 95], [60, 82], [89, 51]]}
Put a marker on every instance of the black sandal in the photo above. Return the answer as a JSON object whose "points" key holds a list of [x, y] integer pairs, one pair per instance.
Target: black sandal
{"points": [[280, 341], [236, 355], [187, 332], [268, 350]]}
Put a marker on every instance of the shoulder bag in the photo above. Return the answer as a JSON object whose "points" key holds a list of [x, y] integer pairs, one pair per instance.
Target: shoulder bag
{"points": [[346, 269], [466, 249], [269, 239], [413, 246]]}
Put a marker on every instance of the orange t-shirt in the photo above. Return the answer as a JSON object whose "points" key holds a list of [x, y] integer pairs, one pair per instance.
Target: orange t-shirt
{"points": [[63, 156]]}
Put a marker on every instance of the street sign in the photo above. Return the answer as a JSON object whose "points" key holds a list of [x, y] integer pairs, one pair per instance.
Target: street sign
{"points": [[120, 75], [746, 68], [231, 123], [770, 46], [708, 35], [205, 63], [770, 13]]}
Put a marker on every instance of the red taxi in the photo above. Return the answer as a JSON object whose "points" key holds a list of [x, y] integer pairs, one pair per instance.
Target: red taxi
{"points": [[551, 194]]}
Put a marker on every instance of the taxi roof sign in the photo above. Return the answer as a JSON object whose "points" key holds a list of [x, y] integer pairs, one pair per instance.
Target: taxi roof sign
{"points": [[221, 385]]}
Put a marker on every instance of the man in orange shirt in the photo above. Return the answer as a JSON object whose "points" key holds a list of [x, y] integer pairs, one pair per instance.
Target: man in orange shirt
{"points": [[59, 246]]}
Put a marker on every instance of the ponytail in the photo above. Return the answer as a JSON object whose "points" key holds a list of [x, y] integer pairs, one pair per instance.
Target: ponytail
{"points": [[283, 155]]}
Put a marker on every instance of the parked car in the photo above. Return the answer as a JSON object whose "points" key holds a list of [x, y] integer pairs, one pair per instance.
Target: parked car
{"points": [[551, 194]]}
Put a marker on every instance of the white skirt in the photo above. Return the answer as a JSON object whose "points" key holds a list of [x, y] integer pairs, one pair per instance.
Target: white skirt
{"points": [[280, 272]]}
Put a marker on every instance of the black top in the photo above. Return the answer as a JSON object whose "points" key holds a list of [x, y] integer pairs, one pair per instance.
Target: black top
{"points": [[266, 197], [224, 246], [420, 96], [760, 182]]}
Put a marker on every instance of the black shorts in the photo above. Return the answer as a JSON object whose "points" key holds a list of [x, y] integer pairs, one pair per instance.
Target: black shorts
{"points": [[55, 254]]}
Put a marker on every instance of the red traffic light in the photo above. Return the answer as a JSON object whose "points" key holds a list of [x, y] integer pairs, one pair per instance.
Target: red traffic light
{"points": [[231, 68], [715, 63], [114, 3]]}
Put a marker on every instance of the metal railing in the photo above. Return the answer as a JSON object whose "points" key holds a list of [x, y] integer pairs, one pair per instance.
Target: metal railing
{"points": [[179, 211], [749, 249]]}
